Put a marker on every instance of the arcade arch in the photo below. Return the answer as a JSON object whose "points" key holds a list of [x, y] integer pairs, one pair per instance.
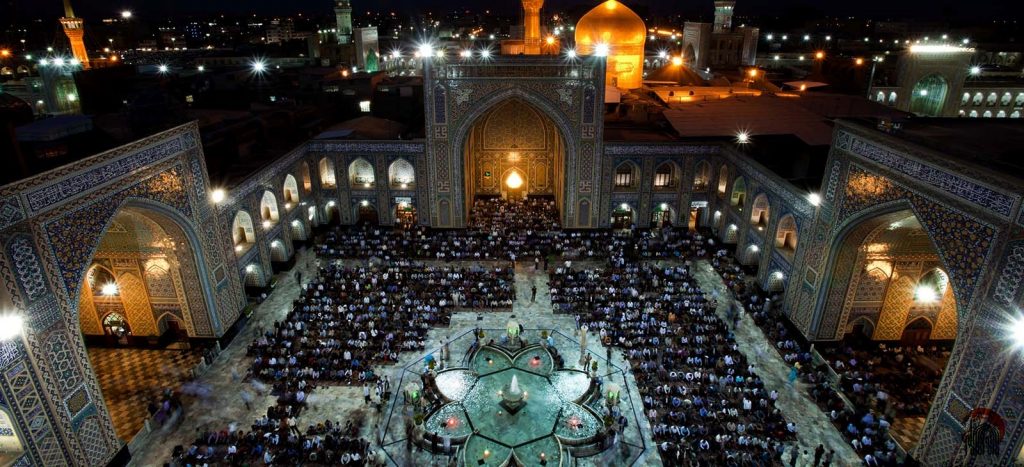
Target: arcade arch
{"points": [[307, 180], [242, 232], [666, 176], [627, 176], [739, 193], [268, 209], [929, 96], [290, 192], [702, 176], [723, 180], [402, 175], [361, 174], [760, 212], [786, 236], [328, 177]]}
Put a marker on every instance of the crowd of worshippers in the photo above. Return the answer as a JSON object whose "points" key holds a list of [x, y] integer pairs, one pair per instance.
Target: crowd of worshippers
{"points": [[896, 379], [278, 440], [500, 215], [348, 318], [485, 241], [705, 403], [865, 428]]}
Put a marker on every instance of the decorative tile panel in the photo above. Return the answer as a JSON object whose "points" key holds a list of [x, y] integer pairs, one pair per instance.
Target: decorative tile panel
{"points": [[1011, 275], [991, 199], [55, 192], [11, 211]]}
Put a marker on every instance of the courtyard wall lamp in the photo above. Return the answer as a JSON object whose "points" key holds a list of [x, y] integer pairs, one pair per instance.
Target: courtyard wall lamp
{"points": [[11, 326]]}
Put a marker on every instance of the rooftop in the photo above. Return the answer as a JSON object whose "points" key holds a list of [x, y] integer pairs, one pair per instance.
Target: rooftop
{"points": [[995, 145], [755, 115]]}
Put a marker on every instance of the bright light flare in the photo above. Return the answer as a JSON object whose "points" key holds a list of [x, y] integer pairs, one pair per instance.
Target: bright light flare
{"points": [[10, 326], [814, 199], [218, 195], [601, 50], [259, 66], [109, 289], [1015, 331], [514, 181], [925, 293], [743, 137], [677, 61], [425, 50], [938, 49], [126, 14]]}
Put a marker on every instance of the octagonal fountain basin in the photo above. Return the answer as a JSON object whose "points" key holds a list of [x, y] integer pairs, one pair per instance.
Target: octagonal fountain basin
{"points": [[572, 385], [514, 406], [449, 420], [455, 384], [535, 360], [489, 360]]}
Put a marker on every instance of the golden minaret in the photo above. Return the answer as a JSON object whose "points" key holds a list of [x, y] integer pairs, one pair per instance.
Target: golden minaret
{"points": [[74, 28], [531, 26]]}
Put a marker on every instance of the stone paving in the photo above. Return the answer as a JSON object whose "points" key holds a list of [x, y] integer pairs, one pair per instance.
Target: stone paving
{"points": [[813, 426], [224, 406]]}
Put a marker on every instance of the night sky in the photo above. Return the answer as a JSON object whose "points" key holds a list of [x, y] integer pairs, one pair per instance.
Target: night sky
{"points": [[920, 9]]}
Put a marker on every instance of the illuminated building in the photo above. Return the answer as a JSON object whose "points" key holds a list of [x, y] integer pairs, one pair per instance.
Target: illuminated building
{"points": [[612, 29], [74, 28]]}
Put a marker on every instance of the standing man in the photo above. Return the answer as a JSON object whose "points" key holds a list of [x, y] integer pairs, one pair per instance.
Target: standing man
{"points": [[533, 293]]}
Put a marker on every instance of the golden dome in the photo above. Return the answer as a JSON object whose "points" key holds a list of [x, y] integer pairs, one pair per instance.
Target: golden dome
{"points": [[621, 34], [610, 23]]}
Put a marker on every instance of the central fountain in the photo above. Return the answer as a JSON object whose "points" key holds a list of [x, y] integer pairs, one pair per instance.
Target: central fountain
{"points": [[512, 397], [546, 414]]}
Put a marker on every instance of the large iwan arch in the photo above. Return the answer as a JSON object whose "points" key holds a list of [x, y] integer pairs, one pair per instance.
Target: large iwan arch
{"points": [[161, 181]]}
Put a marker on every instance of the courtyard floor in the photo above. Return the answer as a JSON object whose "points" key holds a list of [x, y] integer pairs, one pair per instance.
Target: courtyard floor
{"points": [[224, 406], [132, 378]]}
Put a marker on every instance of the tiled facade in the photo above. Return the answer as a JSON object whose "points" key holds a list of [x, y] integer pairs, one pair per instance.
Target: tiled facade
{"points": [[50, 225]]}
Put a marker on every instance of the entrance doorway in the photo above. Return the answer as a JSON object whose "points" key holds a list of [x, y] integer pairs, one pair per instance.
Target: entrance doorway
{"points": [[622, 218], [367, 214], [662, 217], [405, 215], [513, 186], [916, 332]]}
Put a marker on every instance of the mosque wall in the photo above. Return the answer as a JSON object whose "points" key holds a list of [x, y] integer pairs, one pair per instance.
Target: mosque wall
{"points": [[458, 94], [50, 227], [974, 220], [741, 190]]}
